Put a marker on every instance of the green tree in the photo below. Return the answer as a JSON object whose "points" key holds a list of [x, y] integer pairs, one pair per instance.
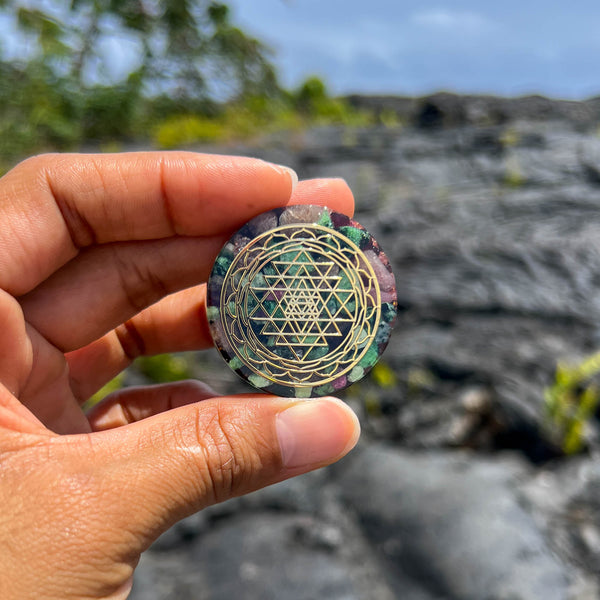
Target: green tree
{"points": [[180, 56]]}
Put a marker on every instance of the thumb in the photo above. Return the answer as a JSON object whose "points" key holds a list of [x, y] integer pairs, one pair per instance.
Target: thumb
{"points": [[170, 465]]}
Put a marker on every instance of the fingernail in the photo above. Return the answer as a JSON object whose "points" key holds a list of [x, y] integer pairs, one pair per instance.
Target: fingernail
{"points": [[112, 417], [293, 176], [316, 432], [282, 168]]}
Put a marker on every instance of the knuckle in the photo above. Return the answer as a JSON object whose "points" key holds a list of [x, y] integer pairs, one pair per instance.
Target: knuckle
{"points": [[231, 459], [139, 280], [38, 170], [131, 340], [38, 162], [35, 171]]}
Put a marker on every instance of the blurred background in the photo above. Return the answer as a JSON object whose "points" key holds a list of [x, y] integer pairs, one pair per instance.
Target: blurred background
{"points": [[470, 135]]}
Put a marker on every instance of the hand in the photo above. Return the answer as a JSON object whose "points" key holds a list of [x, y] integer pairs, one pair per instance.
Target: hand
{"points": [[100, 261]]}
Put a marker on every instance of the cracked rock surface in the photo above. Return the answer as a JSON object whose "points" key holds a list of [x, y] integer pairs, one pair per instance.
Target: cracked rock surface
{"points": [[458, 490]]}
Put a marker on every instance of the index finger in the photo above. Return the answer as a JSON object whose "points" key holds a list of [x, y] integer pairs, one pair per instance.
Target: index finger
{"points": [[53, 205]]}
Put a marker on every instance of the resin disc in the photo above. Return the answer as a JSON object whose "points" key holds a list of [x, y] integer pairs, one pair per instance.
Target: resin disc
{"points": [[301, 301]]}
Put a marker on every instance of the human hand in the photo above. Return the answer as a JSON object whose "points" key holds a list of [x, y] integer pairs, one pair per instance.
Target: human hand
{"points": [[100, 261]]}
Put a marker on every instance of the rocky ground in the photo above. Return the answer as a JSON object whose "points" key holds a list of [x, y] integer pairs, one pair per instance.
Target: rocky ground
{"points": [[490, 214]]}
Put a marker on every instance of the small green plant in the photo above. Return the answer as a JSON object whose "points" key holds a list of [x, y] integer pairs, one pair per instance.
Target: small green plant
{"points": [[510, 138], [571, 402], [513, 176], [384, 376]]}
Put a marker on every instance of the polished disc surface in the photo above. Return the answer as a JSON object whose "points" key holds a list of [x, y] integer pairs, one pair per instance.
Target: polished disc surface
{"points": [[301, 301]]}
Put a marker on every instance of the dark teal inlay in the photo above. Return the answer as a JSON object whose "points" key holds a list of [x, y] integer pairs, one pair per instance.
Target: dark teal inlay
{"points": [[358, 236]]}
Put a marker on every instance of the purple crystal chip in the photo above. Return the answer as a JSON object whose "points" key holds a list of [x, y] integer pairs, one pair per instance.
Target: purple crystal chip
{"points": [[301, 301]]}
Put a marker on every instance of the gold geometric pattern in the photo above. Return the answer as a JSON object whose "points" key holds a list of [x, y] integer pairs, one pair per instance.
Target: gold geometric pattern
{"points": [[300, 305], [303, 290]]}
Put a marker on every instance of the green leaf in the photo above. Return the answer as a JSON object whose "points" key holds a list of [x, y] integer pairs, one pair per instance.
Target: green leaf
{"points": [[218, 13], [573, 441], [571, 402], [133, 14], [589, 402]]}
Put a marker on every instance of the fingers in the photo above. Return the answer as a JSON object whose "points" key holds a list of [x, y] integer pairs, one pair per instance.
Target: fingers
{"points": [[115, 281], [47, 393], [15, 417], [53, 205], [42, 398], [174, 463], [177, 323], [106, 286], [136, 403], [17, 353], [333, 193]]}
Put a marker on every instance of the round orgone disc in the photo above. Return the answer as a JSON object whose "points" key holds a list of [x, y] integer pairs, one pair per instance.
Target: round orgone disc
{"points": [[301, 301]]}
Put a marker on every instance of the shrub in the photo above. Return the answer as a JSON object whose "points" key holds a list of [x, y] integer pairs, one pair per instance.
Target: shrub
{"points": [[571, 402], [184, 130]]}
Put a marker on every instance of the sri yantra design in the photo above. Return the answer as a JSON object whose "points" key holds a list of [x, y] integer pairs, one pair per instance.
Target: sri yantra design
{"points": [[300, 305]]}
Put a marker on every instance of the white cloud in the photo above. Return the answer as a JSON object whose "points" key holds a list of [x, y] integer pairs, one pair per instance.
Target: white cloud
{"points": [[447, 20]]}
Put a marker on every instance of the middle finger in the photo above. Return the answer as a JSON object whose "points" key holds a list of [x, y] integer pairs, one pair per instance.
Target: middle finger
{"points": [[108, 284]]}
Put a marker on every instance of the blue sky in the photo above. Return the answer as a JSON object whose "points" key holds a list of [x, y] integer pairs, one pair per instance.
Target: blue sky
{"points": [[398, 47]]}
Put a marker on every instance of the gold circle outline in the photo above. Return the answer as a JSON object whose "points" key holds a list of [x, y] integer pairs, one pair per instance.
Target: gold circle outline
{"points": [[274, 356], [277, 230]]}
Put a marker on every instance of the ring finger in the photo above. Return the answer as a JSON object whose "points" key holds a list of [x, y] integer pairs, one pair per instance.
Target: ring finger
{"points": [[176, 323]]}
